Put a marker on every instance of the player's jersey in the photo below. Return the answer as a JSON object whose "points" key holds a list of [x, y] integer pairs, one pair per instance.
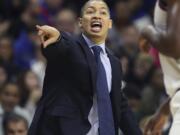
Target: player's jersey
{"points": [[170, 66]]}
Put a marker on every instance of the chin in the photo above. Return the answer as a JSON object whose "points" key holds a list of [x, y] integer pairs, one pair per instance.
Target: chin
{"points": [[94, 34]]}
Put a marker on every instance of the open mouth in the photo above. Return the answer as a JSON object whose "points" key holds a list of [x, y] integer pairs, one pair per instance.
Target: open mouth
{"points": [[96, 26]]}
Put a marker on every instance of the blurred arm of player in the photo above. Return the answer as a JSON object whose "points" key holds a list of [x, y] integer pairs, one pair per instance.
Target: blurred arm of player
{"points": [[47, 34], [165, 35], [155, 124]]}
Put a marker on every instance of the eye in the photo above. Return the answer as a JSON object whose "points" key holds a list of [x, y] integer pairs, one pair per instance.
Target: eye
{"points": [[103, 13], [89, 11]]}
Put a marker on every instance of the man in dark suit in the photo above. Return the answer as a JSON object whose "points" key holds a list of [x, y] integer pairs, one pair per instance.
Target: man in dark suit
{"points": [[82, 88]]}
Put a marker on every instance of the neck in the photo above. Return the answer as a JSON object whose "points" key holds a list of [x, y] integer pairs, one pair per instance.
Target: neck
{"points": [[97, 40]]}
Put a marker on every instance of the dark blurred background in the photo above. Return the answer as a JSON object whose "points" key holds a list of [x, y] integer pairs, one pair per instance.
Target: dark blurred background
{"points": [[22, 65]]}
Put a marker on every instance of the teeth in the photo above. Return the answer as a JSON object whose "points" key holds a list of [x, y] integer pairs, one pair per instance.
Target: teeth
{"points": [[96, 24]]}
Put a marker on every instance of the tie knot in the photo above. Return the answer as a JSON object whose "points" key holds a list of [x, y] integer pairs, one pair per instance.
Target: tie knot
{"points": [[97, 50]]}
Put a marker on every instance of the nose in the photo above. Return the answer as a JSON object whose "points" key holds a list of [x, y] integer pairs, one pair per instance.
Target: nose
{"points": [[97, 15]]}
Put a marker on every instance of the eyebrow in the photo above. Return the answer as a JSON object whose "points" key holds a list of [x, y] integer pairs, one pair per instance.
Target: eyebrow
{"points": [[105, 8]]}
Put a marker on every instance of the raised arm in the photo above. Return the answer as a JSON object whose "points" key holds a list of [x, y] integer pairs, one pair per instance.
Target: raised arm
{"points": [[165, 35], [55, 44]]}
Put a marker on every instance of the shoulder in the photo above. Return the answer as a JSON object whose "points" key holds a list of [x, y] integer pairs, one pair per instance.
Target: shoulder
{"points": [[66, 36]]}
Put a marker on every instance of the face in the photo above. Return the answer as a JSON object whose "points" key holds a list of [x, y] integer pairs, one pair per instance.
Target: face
{"points": [[66, 21], [10, 97], [5, 48], [16, 128], [95, 21], [134, 4], [143, 65], [31, 80], [53, 4], [3, 76], [122, 7]]}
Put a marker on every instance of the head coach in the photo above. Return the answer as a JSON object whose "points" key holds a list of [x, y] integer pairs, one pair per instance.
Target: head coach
{"points": [[82, 92]]}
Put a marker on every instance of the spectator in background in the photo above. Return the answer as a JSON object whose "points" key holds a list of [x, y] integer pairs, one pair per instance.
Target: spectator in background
{"points": [[49, 8], [4, 26], [148, 6], [15, 124], [31, 91], [130, 37], [9, 102], [139, 16], [125, 65], [132, 91], [121, 21], [67, 21], [141, 71], [7, 57], [38, 64], [136, 9], [153, 94], [24, 49], [3, 76], [128, 49], [10, 13]]}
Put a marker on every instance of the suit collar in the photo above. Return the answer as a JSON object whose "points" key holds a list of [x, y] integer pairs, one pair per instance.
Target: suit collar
{"points": [[116, 68], [91, 43], [116, 73]]}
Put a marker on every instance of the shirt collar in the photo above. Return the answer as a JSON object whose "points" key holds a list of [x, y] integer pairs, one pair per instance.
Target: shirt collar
{"points": [[91, 43]]}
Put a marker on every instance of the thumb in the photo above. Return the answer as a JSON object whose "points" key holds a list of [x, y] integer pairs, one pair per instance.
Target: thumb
{"points": [[49, 41]]}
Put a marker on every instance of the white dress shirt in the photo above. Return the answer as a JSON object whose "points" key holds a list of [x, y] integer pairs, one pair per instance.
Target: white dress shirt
{"points": [[93, 114]]}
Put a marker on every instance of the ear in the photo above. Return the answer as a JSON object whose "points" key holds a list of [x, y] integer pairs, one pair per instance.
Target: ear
{"points": [[110, 23], [80, 22]]}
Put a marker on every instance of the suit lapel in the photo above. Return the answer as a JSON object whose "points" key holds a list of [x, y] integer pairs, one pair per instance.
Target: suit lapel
{"points": [[116, 87], [116, 69], [90, 60], [116, 73]]}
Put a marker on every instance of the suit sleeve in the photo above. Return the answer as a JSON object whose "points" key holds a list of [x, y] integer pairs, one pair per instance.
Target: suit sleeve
{"points": [[128, 122], [58, 49]]}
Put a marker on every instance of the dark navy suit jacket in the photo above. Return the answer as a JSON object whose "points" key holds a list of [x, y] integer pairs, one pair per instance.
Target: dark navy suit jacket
{"points": [[68, 89]]}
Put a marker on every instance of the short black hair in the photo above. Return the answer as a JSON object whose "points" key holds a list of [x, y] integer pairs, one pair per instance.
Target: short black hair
{"points": [[83, 7], [13, 117]]}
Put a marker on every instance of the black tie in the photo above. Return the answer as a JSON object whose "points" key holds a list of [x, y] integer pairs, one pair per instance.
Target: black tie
{"points": [[105, 115]]}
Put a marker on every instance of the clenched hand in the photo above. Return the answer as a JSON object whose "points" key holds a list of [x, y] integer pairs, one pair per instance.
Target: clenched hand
{"points": [[48, 35]]}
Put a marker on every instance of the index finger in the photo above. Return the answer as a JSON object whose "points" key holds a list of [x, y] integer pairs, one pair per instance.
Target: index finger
{"points": [[40, 28]]}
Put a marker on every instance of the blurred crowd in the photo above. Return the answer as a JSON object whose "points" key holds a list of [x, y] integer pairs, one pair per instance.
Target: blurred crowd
{"points": [[22, 65]]}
